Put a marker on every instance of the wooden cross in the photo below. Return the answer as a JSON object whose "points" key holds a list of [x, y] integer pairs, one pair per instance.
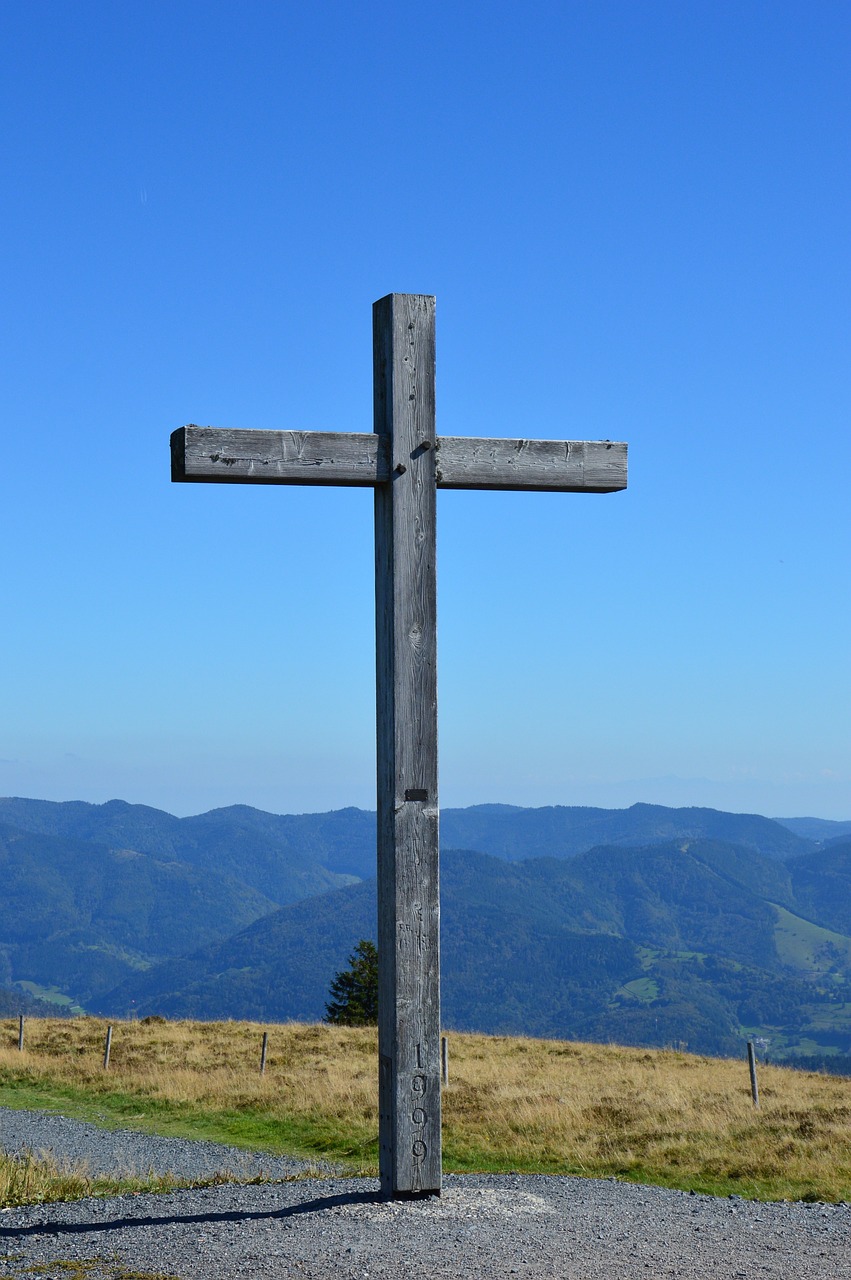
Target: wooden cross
{"points": [[405, 462]]}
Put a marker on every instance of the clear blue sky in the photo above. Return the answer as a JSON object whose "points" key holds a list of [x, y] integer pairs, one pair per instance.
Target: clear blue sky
{"points": [[635, 217]]}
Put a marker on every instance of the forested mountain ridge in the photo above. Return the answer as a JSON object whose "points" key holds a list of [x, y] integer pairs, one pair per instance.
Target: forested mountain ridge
{"points": [[686, 925], [288, 856], [562, 832], [284, 856], [822, 830], [80, 916], [695, 943]]}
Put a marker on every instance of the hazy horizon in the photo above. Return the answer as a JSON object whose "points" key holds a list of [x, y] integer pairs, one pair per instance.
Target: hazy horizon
{"points": [[371, 808]]}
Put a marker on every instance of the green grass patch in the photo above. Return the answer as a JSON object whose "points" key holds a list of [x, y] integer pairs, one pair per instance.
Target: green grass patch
{"points": [[52, 995], [645, 990], [311, 1138], [828, 1017], [808, 947], [467, 1159]]}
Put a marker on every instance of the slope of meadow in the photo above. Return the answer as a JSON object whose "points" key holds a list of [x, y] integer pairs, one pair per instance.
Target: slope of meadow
{"points": [[525, 1105]]}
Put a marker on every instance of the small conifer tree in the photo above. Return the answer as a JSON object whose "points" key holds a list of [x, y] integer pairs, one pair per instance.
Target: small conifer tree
{"points": [[354, 991]]}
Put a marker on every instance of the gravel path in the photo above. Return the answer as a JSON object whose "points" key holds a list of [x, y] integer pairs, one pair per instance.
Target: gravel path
{"points": [[123, 1152], [483, 1226]]}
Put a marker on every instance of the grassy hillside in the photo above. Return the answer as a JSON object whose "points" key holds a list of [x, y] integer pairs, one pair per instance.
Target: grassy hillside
{"points": [[511, 1104], [810, 948]]}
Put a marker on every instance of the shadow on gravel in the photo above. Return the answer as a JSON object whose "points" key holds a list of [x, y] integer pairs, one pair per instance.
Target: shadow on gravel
{"points": [[175, 1219]]}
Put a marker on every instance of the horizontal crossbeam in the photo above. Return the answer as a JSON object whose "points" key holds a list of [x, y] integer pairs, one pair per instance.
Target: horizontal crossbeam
{"points": [[279, 457], [363, 459], [565, 466]]}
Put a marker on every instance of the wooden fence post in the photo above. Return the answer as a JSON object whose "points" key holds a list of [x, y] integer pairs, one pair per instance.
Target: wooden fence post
{"points": [[21, 1034], [444, 1059], [752, 1066], [107, 1048], [263, 1053]]}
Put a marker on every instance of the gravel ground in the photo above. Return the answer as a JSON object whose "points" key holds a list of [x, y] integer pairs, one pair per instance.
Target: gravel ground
{"points": [[123, 1152], [483, 1226]]}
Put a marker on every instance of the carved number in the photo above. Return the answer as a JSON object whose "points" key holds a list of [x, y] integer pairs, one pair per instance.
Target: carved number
{"points": [[418, 1115]]}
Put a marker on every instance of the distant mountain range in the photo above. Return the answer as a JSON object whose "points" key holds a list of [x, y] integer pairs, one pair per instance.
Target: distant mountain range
{"points": [[645, 925]]}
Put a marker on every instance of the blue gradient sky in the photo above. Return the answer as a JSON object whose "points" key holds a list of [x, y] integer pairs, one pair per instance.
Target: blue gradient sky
{"points": [[635, 218]]}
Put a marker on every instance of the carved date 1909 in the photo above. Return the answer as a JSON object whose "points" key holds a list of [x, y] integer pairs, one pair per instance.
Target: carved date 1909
{"points": [[419, 1084]]}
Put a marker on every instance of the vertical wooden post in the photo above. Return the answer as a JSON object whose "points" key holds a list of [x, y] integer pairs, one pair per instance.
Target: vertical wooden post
{"points": [[21, 1033], [406, 687], [752, 1066], [444, 1059], [265, 1046], [106, 1048]]}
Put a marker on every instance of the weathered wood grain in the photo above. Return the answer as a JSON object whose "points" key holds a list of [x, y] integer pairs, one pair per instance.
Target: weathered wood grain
{"points": [[406, 687], [563, 466], [278, 457], [218, 455]]}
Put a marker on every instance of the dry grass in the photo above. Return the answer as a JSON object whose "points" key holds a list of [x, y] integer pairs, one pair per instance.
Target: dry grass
{"points": [[529, 1105], [34, 1179], [655, 1116]]}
